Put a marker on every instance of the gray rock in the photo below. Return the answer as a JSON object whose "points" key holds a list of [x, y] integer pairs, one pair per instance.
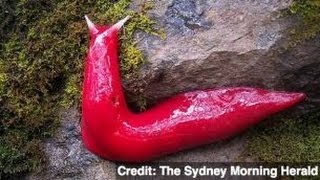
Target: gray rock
{"points": [[68, 158], [218, 43]]}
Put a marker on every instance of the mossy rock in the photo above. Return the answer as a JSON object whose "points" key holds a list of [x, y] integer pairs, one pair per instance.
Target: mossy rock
{"points": [[291, 139], [308, 14]]}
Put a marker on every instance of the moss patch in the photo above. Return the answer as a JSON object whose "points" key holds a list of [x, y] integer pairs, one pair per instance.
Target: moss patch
{"points": [[308, 15], [42, 45], [286, 139]]}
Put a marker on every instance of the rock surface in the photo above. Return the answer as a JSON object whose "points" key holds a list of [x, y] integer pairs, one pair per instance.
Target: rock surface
{"points": [[68, 158], [209, 44], [217, 43]]}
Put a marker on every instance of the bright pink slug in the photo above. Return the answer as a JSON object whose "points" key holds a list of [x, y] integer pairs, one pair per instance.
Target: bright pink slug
{"points": [[110, 130]]}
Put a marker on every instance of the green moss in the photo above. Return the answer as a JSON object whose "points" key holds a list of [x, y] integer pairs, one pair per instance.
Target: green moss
{"points": [[43, 44], [286, 139], [308, 15], [141, 102], [3, 79], [71, 92]]}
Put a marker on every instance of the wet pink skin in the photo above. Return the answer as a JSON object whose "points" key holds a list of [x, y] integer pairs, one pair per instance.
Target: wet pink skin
{"points": [[110, 130]]}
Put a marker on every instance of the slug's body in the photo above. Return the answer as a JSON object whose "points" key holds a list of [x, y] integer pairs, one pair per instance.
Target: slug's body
{"points": [[112, 131]]}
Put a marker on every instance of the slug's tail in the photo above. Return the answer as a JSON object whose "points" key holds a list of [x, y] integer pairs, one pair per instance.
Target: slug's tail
{"points": [[94, 30]]}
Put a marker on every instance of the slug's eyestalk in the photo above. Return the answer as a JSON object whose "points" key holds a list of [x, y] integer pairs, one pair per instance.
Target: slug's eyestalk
{"points": [[91, 26]]}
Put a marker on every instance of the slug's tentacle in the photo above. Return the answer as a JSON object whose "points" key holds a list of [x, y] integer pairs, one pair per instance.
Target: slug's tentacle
{"points": [[120, 23], [91, 26], [110, 130]]}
